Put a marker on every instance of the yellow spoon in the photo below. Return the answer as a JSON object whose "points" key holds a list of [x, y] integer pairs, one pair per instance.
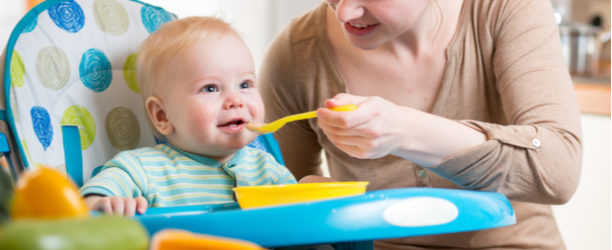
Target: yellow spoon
{"points": [[276, 125]]}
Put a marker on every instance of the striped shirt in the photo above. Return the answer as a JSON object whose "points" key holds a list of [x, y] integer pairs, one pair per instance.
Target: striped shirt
{"points": [[167, 176]]}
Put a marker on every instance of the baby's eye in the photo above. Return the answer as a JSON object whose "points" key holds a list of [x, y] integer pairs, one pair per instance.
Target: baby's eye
{"points": [[210, 88], [245, 85]]}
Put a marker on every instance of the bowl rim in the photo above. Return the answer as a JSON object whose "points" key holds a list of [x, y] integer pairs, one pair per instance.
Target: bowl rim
{"points": [[305, 185]]}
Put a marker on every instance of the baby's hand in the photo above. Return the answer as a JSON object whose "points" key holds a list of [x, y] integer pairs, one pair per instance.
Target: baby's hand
{"points": [[117, 205]]}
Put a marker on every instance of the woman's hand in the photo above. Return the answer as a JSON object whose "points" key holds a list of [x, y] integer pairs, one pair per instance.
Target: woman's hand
{"points": [[117, 205], [371, 131], [379, 127]]}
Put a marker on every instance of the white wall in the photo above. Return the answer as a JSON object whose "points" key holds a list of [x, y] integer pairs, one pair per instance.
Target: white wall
{"points": [[10, 13], [257, 21], [585, 220]]}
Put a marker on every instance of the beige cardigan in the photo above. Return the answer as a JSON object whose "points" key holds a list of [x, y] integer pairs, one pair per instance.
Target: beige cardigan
{"points": [[505, 76]]}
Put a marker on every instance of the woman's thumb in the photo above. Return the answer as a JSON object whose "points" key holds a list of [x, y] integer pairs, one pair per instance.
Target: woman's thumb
{"points": [[343, 99]]}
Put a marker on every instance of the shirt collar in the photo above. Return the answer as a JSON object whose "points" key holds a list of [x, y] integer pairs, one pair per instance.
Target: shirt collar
{"points": [[209, 161]]}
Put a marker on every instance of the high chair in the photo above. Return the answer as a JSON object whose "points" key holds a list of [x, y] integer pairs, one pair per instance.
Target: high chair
{"points": [[71, 102]]}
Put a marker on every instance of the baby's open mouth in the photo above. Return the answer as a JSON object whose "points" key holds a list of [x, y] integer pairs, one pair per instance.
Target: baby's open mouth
{"points": [[233, 123]]}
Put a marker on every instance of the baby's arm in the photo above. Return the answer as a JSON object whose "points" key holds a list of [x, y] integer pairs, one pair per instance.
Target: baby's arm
{"points": [[117, 205], [121, 177]]}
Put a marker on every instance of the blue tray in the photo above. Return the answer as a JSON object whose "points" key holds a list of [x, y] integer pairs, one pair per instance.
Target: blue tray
{"points": [[374, 215]]}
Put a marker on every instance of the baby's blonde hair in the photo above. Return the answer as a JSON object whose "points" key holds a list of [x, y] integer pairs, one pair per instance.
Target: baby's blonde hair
{"points": [[170, 41]]}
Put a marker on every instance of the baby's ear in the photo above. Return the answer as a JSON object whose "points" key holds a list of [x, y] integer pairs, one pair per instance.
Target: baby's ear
{"points": [[158, 116]]}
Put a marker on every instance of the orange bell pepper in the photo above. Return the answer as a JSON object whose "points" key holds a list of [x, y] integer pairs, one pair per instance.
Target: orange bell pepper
{"points": [[46, 193], [171, 239]]}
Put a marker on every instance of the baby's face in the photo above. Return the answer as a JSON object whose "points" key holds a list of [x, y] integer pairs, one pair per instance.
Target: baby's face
{"points": [[212, 97]]}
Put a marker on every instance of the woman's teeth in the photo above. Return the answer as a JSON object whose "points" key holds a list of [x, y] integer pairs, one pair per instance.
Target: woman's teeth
{"points": [[360, 26]]}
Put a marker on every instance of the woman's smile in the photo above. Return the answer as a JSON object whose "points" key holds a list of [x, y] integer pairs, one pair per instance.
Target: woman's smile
{"points": [[360, 29]]}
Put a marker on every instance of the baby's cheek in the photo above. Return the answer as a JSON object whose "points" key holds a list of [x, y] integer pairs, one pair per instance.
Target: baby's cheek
{"points": [[258, 112]]}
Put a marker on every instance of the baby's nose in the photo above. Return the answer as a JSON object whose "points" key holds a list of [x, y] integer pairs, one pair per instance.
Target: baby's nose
{"points": [[233, 101]]}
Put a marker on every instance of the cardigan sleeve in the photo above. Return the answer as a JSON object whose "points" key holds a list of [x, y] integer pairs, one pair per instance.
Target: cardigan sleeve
{"points": [[536, 157]]}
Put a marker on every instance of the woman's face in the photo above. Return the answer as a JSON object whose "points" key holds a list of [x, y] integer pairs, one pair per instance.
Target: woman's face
{"points": [[367, 24]]}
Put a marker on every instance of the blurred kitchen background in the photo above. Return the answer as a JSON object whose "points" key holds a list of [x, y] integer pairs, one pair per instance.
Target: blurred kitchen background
{"points": [[584, 29]]}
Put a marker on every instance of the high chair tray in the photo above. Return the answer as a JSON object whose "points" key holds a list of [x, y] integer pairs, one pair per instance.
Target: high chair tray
{"points": [[391, 213]]}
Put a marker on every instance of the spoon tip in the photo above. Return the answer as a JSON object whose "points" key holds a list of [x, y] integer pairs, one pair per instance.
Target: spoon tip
{"points": [[256, 128]]}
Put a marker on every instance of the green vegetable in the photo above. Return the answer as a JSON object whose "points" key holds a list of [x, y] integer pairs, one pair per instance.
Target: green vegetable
{"points": [[6, 191], [101, 232]]}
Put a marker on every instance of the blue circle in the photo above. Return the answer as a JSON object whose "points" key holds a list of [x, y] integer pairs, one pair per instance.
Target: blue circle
{"points": [[153, 17], [67, 15], [30, 25], [95, 70], [41, 122]]}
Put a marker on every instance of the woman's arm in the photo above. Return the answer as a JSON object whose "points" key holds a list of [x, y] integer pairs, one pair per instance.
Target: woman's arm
{"points": [[535, 156]]}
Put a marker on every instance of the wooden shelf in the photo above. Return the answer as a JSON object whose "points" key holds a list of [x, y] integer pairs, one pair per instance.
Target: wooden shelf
{"points": [[593, 95]]}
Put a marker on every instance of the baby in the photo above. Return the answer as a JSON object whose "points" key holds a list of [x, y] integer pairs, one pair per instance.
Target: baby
{"points": [[197, 80]]}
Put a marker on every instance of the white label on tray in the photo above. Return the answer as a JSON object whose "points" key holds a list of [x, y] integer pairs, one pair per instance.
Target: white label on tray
{"points": [[421, 211]]}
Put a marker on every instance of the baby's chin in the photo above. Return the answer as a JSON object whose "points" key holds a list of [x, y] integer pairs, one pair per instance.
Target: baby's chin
{"points": [[240, 143]]}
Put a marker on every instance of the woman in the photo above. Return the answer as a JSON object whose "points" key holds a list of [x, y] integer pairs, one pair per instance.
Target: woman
{"points": [[467, 94]]}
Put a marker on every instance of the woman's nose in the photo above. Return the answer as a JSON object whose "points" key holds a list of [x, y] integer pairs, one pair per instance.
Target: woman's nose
{"points": [[347, 10]]}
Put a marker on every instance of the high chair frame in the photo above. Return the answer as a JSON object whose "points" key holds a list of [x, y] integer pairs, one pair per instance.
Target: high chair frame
{"points": [[345, 223]]}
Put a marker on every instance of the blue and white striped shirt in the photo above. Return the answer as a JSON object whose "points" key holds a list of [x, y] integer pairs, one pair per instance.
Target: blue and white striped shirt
{"points": [[167, 176]]}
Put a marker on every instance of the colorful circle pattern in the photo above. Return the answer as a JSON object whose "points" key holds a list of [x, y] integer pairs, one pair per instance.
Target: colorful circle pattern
{"points": [[111, 17], [95, 70], [65, 44], [153, 17], [80, 116], [41, 122], [122, 128], [52, 67], [17, 70], [68, 16], [129, 73]]}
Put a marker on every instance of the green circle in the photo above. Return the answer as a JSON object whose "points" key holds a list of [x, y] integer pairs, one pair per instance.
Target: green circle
{"points": [[111, 17], [129, 72], [17, 70], [80, 116], [52, 67], [122, 128]]}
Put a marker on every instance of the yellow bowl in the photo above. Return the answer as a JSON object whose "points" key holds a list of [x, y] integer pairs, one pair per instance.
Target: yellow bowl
{"points": [[270, 195]]}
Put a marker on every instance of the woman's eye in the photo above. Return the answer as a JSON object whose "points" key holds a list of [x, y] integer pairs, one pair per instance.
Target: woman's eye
{"points": [[210, 88], [245, 85]]}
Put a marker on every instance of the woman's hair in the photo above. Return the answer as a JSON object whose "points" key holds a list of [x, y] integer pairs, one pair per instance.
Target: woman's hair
{"points": [[170, 41]]}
